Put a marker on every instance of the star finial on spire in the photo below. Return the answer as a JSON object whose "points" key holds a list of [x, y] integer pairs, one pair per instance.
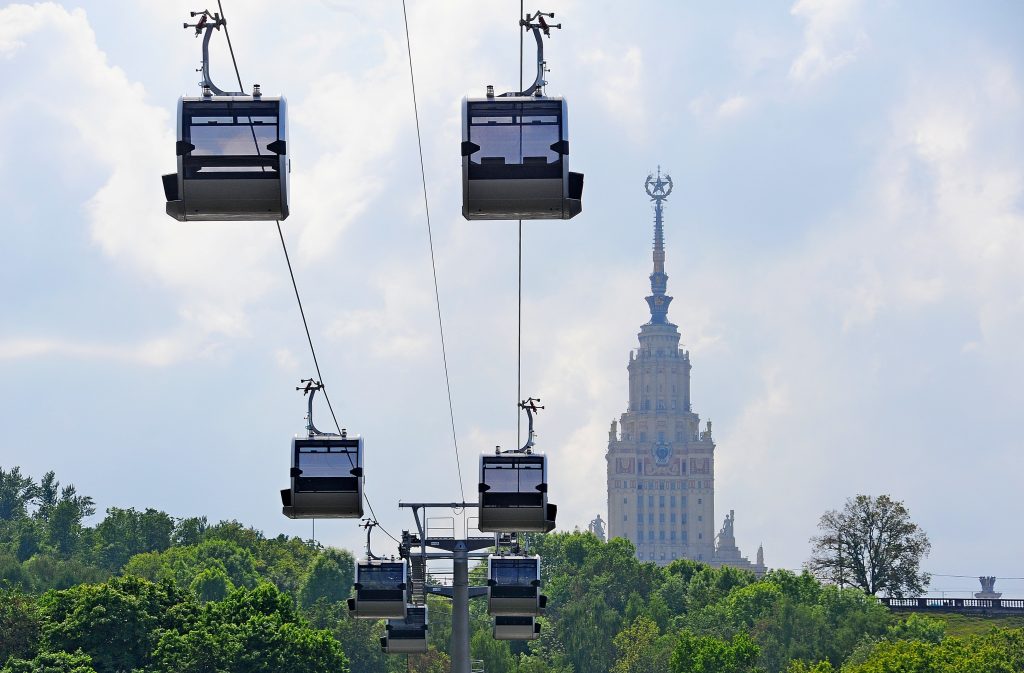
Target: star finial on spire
{"points": [[658, 187]]}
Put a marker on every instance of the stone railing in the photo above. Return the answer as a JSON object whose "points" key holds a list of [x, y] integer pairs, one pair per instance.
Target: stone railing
{"points": [[1014, 605]]}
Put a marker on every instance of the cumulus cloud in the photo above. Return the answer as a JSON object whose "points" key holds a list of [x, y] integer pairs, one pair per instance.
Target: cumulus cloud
{"points": [[707, 108], [832, 37], [156, 352], [938, 231], [618, 82], [126, 142]]}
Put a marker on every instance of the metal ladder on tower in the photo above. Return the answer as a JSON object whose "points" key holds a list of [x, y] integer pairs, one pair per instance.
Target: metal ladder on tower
{"points": [[418, 578]]}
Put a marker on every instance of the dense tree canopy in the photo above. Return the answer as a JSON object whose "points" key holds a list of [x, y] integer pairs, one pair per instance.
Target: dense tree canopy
{"points": [[143, 591]]}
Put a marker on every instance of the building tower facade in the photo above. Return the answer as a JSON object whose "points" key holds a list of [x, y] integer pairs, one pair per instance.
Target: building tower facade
{"points": [[661, 463]]}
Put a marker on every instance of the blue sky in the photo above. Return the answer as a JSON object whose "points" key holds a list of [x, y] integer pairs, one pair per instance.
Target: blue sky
{"points": [[844, 245]]}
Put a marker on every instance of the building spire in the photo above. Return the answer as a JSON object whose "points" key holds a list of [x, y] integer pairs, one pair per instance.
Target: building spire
{"points": [[658, 187]]}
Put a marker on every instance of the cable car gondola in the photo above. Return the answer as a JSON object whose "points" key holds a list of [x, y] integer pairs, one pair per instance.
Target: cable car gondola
{"points": [[380, 590], [409, 635], [513, 586], [515, 151], [516, 628], [326, 472], [231, 149], [514, 490]]}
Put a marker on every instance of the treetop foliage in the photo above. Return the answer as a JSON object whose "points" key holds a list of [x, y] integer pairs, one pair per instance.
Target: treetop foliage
{"points": [[143, 591], [872, 544]]}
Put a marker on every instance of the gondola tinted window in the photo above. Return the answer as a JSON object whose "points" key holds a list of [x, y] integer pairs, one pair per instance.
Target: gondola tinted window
{"points": [[515, 139], [386, 576], [514, 572], [523, 476], [225, 137], [325, 461]]}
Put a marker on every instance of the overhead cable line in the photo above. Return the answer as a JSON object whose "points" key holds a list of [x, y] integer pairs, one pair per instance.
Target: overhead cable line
{"points": [[291, 274], [519, 319], [430, 240]]}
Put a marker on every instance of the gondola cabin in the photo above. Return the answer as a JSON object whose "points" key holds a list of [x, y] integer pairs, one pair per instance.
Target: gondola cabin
{"points": [[232, 159], [326, 478], [514, 494], [513, 586], [515, 160], [380, 590], [516, 628], [409, 635]]}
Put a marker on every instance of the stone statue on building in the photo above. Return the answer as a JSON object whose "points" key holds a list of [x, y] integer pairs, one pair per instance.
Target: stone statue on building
{"points": [[596, 527], [727, 536]]}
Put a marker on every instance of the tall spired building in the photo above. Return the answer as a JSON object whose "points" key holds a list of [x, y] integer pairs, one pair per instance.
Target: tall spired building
{"points": [[661, 463]]}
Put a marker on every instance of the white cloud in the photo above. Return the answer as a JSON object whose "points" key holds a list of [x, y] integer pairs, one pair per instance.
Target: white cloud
{"points": [[286, 360], [214, 269], [157, 352], [707, 108], [733, 106], [832, 37], [618, 83]]}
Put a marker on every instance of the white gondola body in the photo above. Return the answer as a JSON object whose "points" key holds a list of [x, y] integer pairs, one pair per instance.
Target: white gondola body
{"points": [[513, 586], [380, 590], [326, 478], [516, 628], [409, 635], [232, 160], [515, 160], [513, 494]]}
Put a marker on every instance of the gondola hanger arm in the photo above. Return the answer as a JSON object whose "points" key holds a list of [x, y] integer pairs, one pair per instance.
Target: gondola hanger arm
{"points": [[529, 405], [309, 387], [536, 23], [207, 23], [369, 524]]}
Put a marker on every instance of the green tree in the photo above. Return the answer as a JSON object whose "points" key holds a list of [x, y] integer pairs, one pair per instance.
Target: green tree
{"points": [[189, 531], [211, 584], [250, 631], [65, 527], [45, 571], [114, 623], [803, 667], [918, 627], [1001, 651], [17, 492], [359, 638], [641, 648], [706, 654], [431, 662], [49, 495], [20, 624], [330, 577], [496, 655], [871, 544], [127, 532], [52, 662]]}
